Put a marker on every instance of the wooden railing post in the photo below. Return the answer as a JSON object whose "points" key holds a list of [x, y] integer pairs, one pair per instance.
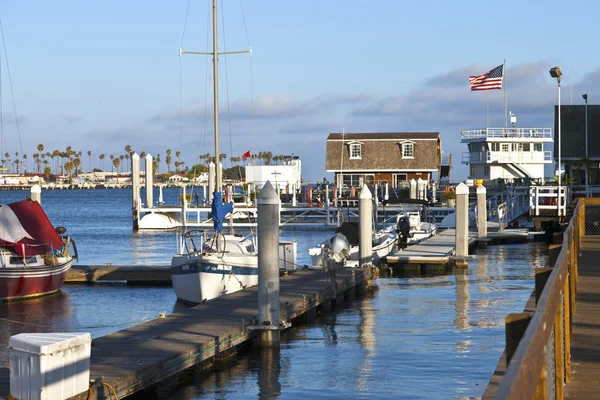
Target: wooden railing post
{"points": [[559, 357], [553, 252], [568, 326], [515, 327], [541, 277]]}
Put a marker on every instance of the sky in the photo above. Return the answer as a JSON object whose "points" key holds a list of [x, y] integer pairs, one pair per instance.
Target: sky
{"points": [[98, 76]]}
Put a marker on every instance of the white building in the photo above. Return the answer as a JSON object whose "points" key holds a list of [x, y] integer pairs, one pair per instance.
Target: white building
{"points": [[289, 173], [507, 153]]}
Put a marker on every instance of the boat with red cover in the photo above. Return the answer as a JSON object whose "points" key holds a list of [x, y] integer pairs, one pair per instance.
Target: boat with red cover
{"points": [[34, 256]]}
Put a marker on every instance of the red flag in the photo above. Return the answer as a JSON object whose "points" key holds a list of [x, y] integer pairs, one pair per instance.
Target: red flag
{"points": [[246, 154]]}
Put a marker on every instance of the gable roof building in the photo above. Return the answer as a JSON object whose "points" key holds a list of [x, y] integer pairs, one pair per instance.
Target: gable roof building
{"points": [[393, 157]]}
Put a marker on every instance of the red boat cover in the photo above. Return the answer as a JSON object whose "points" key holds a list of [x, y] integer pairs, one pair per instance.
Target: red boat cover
{"points": [[25, 228]]}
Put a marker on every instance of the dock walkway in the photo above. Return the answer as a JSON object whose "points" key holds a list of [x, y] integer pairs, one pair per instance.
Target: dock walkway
{"points": [[434, 250], [585, 339], [138, 357]]}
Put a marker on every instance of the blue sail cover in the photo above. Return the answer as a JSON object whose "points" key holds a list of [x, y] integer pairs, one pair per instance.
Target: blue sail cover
{"points": [[219, 211]]}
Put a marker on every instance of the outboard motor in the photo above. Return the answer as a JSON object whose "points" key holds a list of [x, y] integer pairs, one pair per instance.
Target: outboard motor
{"points": [[403, 230]]}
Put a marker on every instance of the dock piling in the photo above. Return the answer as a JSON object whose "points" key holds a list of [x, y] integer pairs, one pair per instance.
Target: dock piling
{"points": [[420, 189], [365, 226], [36, 193], [211, 181], [413, 189], [462, 225], [135, 189], [149, 182], [268, 266], [481, 215]]}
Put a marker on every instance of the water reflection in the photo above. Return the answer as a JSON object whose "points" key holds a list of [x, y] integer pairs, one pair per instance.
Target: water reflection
{"points": [[462, 298], [367, 339], [45, 314], [269, 386]]}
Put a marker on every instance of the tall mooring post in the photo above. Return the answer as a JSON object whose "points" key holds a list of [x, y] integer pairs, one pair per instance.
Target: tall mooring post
{"points": [[420, 189], [462, 225], [412, 184], [36, 193], [268, 266], [211, 181], [149, 181], [481, 216], [135, 189], [365, 227], [433, 190]]}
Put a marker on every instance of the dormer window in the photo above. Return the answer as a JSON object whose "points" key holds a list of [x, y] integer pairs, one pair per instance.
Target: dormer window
{"points": [[408, 149], [355, 151]]}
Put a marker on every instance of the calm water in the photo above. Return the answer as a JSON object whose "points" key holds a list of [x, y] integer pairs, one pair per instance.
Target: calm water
{"points": [[427, 337]]}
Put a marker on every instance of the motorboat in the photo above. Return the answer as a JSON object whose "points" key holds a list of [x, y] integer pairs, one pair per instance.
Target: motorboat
{"points": [[383, 243], [34, 256], [207, 266]]}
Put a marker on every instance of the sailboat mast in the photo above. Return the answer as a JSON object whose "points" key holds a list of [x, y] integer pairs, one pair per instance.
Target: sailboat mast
{"points": [[216, 97]]}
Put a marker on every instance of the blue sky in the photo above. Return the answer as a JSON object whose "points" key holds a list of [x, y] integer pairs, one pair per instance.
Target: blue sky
{"points": [[101, 75]]}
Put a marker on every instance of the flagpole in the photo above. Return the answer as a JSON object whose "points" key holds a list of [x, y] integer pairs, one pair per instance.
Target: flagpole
{"points": [[504, 84], [487, 109]]}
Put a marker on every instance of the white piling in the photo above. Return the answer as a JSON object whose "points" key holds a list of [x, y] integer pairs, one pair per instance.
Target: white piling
{"points": [[365, 226], [462, 225], [386, 196], [294, 195], [433, 192], [135, 188], [36, 193], [211, 181], [481, 212], [268, 266], [327, 220], [413, 189], [160, 194], [420, 189], [149, 182], [204, 195]]}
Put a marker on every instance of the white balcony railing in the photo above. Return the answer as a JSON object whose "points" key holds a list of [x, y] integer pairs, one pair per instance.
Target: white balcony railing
{"points": [[488, 157], [508, 133]]}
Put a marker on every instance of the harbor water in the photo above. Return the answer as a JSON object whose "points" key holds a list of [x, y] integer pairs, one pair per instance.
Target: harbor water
{"points": [[428, 337]]}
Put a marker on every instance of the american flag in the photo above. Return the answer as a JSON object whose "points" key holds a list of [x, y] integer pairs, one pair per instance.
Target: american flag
{"points": [[489, 81]]}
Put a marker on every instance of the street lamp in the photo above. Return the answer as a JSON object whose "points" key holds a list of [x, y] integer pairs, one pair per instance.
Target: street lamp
{"points": [[556, 73], [585, 98]]}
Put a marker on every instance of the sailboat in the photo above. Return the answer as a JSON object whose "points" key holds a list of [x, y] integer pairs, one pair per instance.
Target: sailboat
{"points": [[205, 268]]}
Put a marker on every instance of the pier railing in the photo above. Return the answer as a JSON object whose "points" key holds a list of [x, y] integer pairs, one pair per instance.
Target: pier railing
{"points": [[507, 206], [538, 344], [516, 133], [548, 201]]}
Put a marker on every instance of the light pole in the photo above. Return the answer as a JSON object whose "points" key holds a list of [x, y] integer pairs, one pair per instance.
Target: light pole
{"points": [[587, 194], [555, 73]]}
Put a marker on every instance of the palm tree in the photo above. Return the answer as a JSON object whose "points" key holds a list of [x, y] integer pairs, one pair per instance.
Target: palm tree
{"points": [[157, 161], [40, 148], [89, 153], [127, 157], [128, 149], [25, 162], [112, 157], [116, 163], [76, 163], [168, 160], [101, 157], [68, 167]]}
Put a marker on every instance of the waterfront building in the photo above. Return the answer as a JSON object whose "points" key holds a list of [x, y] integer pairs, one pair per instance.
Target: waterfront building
{"points": [[392, 157]]}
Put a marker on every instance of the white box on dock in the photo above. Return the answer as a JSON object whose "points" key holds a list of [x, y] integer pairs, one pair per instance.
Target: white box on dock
{"points": [[49, 365]]}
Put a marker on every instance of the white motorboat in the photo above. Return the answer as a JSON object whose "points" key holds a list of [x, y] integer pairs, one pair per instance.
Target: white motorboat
{"points": [[383, 243], [419, 229]]}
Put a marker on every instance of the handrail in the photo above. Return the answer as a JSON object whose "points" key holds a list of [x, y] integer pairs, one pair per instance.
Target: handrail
{"points": [[532, 369]]}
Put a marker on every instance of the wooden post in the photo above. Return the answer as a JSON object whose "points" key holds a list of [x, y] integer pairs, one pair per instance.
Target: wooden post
{"points": [[516, 325], [559, 356], [268, 266], [365, 226], [568, 327], [541, 277], [553, 252]]}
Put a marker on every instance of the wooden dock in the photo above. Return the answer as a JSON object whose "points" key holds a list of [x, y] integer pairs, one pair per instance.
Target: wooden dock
{"points": [[139, 357], [434, 250], [150, 274], [585, 337]]}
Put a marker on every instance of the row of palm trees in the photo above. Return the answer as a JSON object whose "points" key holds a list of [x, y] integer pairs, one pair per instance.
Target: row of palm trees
{"points": [[69, 161]]}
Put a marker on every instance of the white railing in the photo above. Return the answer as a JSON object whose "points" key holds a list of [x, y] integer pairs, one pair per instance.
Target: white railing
{"points": [[507, 206], [516, 133], [548, 200], [535, 157]]}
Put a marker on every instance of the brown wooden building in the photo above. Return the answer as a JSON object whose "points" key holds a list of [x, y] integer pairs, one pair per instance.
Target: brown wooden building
{"points": [[393, 157]]}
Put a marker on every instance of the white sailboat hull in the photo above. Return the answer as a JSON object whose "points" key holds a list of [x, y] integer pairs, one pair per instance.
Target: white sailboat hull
{"points": [[200, 278]]}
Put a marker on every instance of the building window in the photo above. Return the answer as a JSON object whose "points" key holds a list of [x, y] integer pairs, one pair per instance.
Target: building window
{"points": [[486, 170], [408, 150], [526, 146], [355, 151], [505, 147], [495, 146], [538, 147], [472, 171]]}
